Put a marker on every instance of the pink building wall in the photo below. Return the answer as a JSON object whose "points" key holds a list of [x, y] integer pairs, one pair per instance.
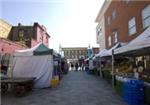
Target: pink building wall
{"points": [[9, 47], [40, 34]]}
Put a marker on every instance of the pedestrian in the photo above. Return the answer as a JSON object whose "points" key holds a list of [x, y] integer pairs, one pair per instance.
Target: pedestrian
{"points": [[72, 66], [76, 66], [82, 67]]}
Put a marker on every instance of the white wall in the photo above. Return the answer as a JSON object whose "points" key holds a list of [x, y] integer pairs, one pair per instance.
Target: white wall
{"points": [[101, 36]]}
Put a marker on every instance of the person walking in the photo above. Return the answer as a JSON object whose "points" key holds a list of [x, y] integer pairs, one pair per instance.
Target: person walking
{"points": [[76, 66], [72, 66]]}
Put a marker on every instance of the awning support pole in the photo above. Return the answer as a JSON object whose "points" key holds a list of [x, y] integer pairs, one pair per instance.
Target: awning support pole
{"points": [[113, 78]]}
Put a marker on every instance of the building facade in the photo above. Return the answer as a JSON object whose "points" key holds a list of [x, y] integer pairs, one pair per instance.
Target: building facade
{"points": [[75, 53], [29, 35], [4, 29], [100, 28], [125, 20], [100, 34], [9, 47]]}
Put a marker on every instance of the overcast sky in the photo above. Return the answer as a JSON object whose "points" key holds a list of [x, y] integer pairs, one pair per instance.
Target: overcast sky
{"points": [[70, 23]]}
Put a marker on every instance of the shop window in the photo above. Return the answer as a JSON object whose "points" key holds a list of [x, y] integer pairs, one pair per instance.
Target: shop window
{"points": [[146, 16], [132, 26]]}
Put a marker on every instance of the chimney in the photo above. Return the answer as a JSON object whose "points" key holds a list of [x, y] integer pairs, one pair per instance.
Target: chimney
{"points": [[19, 24]]}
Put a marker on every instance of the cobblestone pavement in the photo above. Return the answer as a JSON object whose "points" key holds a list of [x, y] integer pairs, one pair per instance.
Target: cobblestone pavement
{"points": [[76, 88]]}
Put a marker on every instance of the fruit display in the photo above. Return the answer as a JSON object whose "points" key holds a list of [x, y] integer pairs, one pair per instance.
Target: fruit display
{"points": [[123, 70]]}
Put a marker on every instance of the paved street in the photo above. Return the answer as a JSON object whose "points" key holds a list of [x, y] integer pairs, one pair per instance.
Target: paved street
{"points": [[76, 88]]}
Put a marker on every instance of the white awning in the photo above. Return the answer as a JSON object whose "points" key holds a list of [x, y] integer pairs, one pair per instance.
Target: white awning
{"points": [[27, 52], [140, 42], [106, 52], [101, 53]]}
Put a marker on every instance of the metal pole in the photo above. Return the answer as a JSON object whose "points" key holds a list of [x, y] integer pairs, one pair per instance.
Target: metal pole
{"points": [[100, 68], [112, 68], [13, 66]]}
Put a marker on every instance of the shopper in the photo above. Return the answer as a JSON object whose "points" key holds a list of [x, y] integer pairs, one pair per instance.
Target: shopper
{"points": [[72, 66], [76, 66]]}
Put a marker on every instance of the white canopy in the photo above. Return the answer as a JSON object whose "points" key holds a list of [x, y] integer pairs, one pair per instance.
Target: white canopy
{"points": [[39, 49], [102, 53], [114, 47], [106, 52], [35, 62], [142, 41], [27, 52]]}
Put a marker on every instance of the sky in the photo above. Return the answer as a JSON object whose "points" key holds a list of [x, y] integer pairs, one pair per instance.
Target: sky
{"points": [[70, 23]]}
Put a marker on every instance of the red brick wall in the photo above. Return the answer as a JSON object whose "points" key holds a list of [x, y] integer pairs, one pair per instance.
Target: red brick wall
{"points": [[125, 11]]}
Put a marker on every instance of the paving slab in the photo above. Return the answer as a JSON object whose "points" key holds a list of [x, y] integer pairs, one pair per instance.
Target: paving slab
{"points": [[76, 88]]}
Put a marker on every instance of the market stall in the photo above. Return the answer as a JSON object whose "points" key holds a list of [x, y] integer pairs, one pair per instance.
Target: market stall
{"points": [[138, 51], [105, 68], [35, 62]]}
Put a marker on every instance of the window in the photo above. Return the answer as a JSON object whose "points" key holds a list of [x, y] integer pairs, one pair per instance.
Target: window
{"points": [[132, 26], [97, 31], [100, 32], [115, 36], [109, 40], [66, 52], [108, 20], [79, 51], [46, 39], [41, 35], [146, 16], [82, 52], [127, 1], [74, 52], [114, 14], [21, 33]]}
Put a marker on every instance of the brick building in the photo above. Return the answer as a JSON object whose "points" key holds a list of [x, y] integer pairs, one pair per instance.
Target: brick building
{"points": [[123, 20], [29, 35]]}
